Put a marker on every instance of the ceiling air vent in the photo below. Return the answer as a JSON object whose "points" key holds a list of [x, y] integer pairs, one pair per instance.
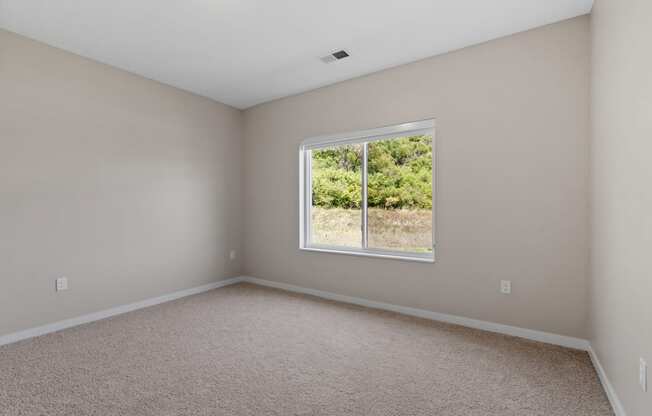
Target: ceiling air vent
{"points": [[335, 56]]}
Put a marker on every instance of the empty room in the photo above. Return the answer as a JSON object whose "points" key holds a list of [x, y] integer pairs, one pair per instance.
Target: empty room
{"points": [[325, 208]]}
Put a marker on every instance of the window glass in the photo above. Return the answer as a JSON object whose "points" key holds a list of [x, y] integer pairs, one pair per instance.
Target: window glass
{"points": [[336, 177], [400, 194], [370, 192]]}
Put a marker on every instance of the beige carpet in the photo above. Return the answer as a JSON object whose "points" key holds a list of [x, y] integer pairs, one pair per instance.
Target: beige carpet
{"points": [[248, 350]]}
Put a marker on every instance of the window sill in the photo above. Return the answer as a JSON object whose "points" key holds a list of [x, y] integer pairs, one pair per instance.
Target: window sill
{"points": [[391, 255]]}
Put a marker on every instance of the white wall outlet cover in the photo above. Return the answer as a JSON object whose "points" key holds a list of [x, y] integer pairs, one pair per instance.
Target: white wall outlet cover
{"points": [[62, 284], [232, 255], [642, 374], [506, 286]]}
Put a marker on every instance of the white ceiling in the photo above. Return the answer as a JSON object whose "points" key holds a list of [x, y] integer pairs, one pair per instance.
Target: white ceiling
{"points": [[244, 52]]}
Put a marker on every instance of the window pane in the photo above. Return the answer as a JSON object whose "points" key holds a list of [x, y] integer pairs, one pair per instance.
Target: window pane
{"points": [[336, 216], [400, 194]]}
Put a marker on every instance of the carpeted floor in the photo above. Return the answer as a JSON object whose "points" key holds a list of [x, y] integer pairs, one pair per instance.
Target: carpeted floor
{"points": [[248, 350]]}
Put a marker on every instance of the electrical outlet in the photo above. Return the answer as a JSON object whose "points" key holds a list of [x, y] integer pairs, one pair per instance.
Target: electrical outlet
{"points": [[642, 374], [506, 287], [62, 284], [232, 255]]}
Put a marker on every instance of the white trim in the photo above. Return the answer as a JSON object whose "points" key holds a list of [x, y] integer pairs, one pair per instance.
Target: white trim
{"points": [[365, 196], [434, 193], [118, 310], [392, 255], [304, 189], [546, 337], [616, 404], [381, 133], [425, 127], [549, 338]]}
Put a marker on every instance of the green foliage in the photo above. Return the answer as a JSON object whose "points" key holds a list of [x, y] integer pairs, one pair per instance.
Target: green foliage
{"points": [[336, 188], [400, 174]]}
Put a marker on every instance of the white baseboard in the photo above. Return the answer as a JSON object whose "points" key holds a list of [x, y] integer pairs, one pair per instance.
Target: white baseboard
{"points": [[546, 337], [562, 340], [616, 404], [565, 341], [96, 316]]}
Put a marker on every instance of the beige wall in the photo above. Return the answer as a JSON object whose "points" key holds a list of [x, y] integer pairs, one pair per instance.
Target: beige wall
{"points": [[132, 189], [128, 187], [512, 186], [621, 287]]}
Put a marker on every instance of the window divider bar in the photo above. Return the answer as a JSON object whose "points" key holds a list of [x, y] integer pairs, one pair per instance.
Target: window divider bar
{"points": [[308, 193], [365, 213]]}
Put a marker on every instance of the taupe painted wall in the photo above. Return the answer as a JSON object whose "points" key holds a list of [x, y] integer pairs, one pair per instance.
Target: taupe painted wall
{"points": [[512, 180], [132, 189], [621, 286], [128, 187]]}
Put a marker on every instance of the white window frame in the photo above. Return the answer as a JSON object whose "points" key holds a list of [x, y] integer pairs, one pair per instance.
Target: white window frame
{"points": [[425, 127]]}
